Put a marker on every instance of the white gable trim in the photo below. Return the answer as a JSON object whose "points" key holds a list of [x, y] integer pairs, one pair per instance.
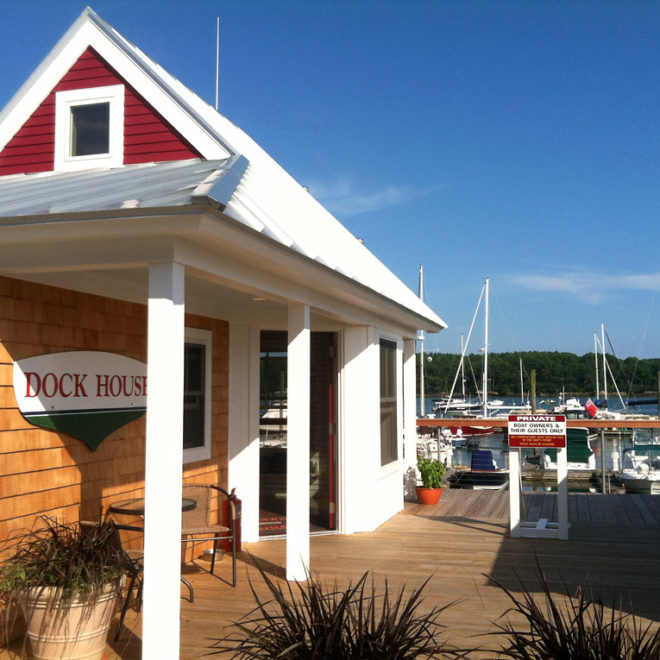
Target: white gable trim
{"points": [[148, 79]]}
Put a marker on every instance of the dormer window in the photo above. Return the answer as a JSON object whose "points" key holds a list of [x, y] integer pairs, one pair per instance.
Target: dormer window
{"points": [[89, 128]]}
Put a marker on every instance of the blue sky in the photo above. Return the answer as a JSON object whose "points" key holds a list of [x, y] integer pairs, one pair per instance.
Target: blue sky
{"points": [[514, 140]]}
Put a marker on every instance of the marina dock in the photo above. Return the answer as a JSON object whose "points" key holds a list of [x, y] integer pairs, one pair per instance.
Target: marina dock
{"points": [[502, 422], [462, 542]]}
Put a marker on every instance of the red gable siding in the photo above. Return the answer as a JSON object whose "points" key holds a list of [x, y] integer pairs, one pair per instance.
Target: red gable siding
{"points": [[147, 136]]}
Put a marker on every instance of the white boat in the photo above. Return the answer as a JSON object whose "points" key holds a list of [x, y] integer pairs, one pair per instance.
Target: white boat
{"points": [[570, 407], [579, 453], [482, 475], [641, 469], [451, 406]]}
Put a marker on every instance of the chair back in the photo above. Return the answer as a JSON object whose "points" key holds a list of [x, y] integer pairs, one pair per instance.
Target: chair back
{"points": [[200, 516], [482, 459]]}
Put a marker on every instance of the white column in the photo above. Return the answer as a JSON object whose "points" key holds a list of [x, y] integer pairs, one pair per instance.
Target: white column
{"points": [[297, 470], [163, 462], [562, 493], [409, 418], [515, 494], [244, 423], [360, 430]]}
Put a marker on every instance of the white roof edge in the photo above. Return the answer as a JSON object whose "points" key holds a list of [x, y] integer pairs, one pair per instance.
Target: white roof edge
{"points": [[221, 185], [216, 138], [157, 86], [160, 77]]}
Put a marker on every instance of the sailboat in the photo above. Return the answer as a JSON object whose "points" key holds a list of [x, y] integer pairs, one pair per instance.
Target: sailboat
{"points": [[435, 446], [484, 406]]}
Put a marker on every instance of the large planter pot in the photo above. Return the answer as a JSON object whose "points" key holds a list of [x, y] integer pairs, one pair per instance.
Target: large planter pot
{"points": [[428, 495], [75, 632]]}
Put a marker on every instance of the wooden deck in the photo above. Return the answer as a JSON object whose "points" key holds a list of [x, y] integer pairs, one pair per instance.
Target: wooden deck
{"points": [[613, 548]]}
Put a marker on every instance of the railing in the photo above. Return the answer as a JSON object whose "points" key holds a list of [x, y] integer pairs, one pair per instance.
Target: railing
{"points": [[502, 422]]}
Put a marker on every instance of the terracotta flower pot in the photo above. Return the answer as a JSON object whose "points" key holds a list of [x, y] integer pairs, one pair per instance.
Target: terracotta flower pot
{"points": [[79, 631], [428, 495]]}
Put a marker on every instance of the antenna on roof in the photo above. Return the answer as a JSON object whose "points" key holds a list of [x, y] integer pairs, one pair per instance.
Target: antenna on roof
{"points": [[217, 62]]}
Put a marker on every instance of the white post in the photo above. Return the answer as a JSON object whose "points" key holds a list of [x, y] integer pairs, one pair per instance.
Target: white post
{"points": [[297, 471], [515, 494], [163, 461], [562, 493], [243, 469], [409, 419], [359, 414]]}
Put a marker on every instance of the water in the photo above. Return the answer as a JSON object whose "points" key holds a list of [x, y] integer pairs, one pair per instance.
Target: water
{"points": [[615, 405], [613, 445]]}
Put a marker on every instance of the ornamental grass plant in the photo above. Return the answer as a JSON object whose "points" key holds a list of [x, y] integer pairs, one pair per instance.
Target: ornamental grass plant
{"points": [[572, 627], [62, 563], [78, 560], [307, 621]]}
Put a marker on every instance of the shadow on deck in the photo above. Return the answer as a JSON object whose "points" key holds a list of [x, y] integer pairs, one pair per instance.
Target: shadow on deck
{"points": [[459, 542]]}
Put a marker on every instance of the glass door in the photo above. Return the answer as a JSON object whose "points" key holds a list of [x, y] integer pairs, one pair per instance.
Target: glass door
{"points": [[273, 432]]}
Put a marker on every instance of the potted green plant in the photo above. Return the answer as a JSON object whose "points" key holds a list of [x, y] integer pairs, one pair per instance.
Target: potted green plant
{"points": [[432, 473], [67, 580]]}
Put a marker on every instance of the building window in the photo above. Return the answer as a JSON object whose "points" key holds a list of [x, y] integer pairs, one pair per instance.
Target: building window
{"points": [[389, 435], [89, 128], [197, 396]]}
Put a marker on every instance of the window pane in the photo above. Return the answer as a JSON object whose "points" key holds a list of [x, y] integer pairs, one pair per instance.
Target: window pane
{"points": [[273, 419], [388, 403], [193, 396], [90, 129]]}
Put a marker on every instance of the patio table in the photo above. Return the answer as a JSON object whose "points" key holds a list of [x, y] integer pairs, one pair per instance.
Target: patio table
{"points": [[135, 507]]}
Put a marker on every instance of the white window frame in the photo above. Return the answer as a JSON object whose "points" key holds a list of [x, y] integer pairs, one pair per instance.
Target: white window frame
{"points": [[205, 338], [64, 101]]}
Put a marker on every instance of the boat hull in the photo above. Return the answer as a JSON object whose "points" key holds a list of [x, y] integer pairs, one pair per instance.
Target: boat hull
{"points": [[472, 430], [641, 486], [480, 480]]}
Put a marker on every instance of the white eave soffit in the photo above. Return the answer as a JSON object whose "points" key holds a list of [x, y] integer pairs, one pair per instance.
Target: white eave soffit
{"points": [[151, 81]]}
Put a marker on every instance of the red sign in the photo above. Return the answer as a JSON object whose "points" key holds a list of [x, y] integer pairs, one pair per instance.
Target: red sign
{"points": [[537, 431]]}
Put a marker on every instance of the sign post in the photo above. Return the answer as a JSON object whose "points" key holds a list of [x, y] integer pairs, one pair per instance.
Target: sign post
{"points": [[540, 431]]}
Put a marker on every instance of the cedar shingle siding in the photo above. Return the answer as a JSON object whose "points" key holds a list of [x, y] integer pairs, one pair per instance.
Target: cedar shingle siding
{"points": [[46, 472]]}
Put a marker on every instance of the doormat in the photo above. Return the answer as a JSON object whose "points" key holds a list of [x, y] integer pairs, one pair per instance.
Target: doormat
{"points": [[272, 525]]}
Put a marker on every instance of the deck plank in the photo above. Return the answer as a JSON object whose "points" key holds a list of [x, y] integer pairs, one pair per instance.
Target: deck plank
{"points": [[459, 551], [633, 515], [584, 514]]}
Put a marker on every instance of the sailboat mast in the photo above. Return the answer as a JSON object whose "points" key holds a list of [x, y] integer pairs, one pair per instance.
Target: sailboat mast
{"points": [[462, 369], [420, 336], [597, 370], [602, 332], [522, 386], [485, 382]]}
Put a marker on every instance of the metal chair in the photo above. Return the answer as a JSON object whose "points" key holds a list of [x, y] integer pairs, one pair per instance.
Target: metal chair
{"points": [[482, 460], [200, 524]]}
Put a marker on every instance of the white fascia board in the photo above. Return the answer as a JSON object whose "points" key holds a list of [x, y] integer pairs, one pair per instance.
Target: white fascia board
{"points": [[269, 266], [149, 80], [40, 84], [141, 74], [214, 244]]}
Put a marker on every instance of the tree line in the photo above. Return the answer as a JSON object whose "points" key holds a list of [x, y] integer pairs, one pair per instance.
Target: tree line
{"points": [[555, 372]]}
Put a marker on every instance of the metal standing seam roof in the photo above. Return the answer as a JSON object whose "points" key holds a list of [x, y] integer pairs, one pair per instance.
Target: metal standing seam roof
{"points": [[133, 186], [254, 189]]}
